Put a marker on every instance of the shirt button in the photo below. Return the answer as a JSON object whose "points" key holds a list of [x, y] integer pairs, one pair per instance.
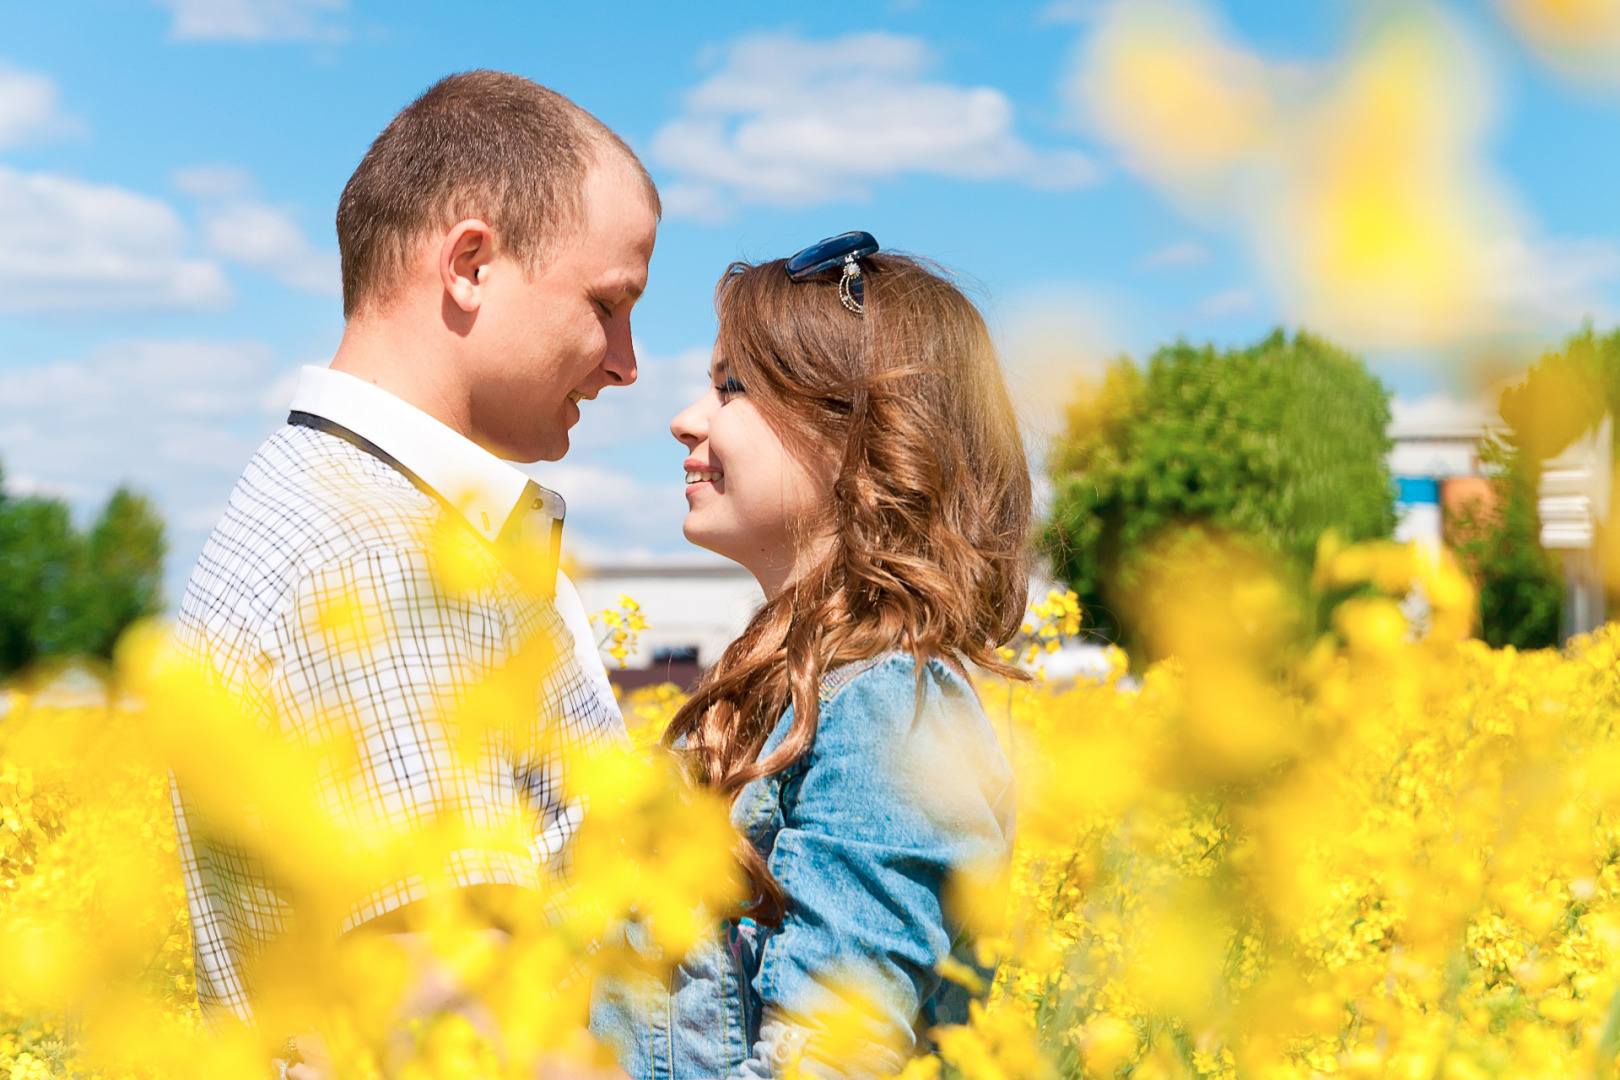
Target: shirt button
{"points": [[788, 1047]]}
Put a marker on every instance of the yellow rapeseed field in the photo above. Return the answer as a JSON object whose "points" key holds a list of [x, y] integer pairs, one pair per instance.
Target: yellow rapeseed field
{"points": [[1393, 854]]}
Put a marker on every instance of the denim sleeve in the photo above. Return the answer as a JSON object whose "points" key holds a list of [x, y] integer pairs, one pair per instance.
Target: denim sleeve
{"points": [[899, 791]]}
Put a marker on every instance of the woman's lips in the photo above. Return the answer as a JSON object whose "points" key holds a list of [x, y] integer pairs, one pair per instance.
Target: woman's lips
{"points": [[698, 475]]}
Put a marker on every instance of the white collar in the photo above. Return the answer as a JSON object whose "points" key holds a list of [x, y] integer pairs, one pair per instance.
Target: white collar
{"points": [[483, 487]]}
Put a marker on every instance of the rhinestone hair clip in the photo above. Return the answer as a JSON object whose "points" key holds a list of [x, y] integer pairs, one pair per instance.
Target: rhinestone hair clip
{"points": [[846, 249]]}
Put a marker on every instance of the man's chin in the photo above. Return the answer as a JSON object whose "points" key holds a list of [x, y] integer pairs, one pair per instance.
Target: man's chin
{"points": [[553, 446]]}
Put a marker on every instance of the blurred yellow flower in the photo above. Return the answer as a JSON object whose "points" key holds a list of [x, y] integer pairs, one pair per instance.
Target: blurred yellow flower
{"points": [[1396, 853]]}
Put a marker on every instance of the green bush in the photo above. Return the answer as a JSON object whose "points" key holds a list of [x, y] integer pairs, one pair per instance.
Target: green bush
{"points": [[1521, 585], [1268, 446], [68, 594]]}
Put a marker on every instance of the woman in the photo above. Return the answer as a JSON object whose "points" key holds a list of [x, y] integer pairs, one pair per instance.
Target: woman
{"points": [[858, 454]]}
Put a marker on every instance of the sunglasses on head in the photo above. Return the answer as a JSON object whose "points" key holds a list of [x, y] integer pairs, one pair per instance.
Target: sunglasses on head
{"points": [[844, 249]]}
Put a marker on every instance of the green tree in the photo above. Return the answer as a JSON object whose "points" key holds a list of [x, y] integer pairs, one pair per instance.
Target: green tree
{"points": [[66, 594], [1268, 446], [1521, 586], [40, 562], [124, 582], [1563, 395], [1566, 392]]}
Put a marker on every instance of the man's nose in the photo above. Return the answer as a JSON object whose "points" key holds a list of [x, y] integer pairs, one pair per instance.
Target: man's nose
{"points": [[620, 363]]}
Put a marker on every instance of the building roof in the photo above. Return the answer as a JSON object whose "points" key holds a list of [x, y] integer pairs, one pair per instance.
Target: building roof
{"points": [[1440, 416]]}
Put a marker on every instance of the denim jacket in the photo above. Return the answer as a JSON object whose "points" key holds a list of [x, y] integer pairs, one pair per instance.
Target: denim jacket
{"points": [[905, 785]]}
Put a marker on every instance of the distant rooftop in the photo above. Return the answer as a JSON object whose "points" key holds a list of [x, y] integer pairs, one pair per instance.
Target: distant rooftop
{"points": [[1438, 416], [662, 568]]}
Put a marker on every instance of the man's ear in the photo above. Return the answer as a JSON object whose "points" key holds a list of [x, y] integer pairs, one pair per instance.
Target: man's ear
{"points": [[464, 258]]}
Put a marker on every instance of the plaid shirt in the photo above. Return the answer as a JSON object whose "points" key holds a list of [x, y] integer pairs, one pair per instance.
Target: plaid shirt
{"points": [[337, 506]]}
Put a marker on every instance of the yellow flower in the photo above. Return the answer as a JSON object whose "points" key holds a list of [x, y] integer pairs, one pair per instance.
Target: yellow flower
{"points": [[1390, 856]]}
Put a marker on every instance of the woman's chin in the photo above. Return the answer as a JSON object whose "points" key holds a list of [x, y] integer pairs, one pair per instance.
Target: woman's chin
{"points": [[710, 540], [696, 534]]}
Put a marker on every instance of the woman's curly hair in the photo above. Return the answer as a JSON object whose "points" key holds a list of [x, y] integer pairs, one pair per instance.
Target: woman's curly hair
{"points": [[928, 515]]}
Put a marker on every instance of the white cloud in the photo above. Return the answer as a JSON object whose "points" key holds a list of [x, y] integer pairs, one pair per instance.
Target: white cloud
{"points": [[1190, 253], [213, 181], [279, 394], [68, 244], [622, 478], [1234, 301], [174, 419], [640, 413], [243, 228], [267, 239], [180, 419], [614, 514], [28, 108], [1052, 340], [254, 20], [787, 121], [1553, 277], [1362, 187]]}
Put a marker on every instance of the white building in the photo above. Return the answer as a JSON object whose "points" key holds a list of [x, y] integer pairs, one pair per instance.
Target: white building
{"points": [[694, 607], [1573, 505], [1435, 462]]}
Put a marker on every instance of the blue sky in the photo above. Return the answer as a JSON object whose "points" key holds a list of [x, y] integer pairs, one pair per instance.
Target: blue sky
{"points": [[169, 171]]}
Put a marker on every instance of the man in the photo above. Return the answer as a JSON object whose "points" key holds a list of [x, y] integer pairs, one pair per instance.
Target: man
{"points": [[494, 240]]}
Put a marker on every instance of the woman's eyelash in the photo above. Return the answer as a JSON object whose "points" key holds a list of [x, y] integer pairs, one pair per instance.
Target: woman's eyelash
{"points": [[730, 386]]}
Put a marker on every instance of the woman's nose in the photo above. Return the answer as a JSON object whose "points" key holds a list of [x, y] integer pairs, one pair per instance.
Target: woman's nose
{"points": [[691, 424]]}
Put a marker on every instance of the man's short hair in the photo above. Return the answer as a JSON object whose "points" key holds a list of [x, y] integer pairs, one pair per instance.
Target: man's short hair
{"points": [[482, 144]]}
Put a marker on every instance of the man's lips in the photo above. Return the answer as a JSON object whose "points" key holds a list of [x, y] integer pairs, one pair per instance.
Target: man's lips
{"points": [[575, 397]]}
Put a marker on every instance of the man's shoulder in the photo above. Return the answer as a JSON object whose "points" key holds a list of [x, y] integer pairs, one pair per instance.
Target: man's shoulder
{"points": [[307, 493], [306, 500]]}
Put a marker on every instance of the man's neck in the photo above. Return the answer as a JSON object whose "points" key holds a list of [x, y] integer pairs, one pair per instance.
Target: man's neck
{"points": [[404, 360]]}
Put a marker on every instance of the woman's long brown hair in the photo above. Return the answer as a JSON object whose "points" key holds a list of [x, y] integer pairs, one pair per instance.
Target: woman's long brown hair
{"points": [[928, 513]]}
